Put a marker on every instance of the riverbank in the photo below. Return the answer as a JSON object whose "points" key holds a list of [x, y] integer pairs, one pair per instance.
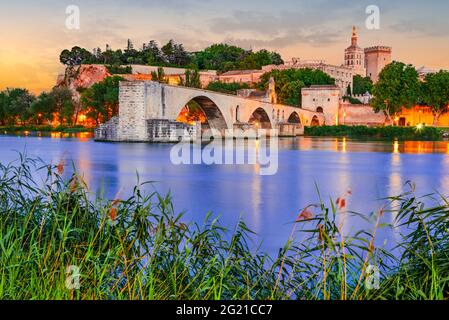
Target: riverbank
{"points": [[58, 243], [45, 128], [388, 132]]}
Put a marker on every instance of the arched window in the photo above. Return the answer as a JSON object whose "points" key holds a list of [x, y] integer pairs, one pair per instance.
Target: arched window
{"points": [[319, 110], [237, 115]]}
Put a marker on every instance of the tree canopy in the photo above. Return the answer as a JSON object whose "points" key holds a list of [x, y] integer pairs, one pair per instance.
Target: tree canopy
{"points": [[15, 105], [221, 57], [435, 93], [362, 85], [398, 87], [290, 82], [100, 102]]}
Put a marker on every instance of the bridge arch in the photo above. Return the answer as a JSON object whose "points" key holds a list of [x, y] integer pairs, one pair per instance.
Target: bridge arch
{"points": [[260, 118], [315, 121], [294, 118], [213, 114]]}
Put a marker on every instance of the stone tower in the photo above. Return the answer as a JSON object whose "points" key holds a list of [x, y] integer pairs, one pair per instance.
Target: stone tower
{"points": [[376, 58], [355, 56]]}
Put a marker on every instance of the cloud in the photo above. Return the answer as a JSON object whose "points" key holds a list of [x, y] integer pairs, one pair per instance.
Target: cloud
{"points": [[421, 28]]}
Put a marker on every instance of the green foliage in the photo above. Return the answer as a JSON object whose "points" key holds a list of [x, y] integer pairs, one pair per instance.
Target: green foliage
{"points": [[362, 85], [117, 69], [290, 82], [101, 100], [56, 102], [348, 91], [159, 75], [228, 88], [76, 56], [191, 79], [224, 57], [45, 128], [138, 248], [388, 132], [256, 60], [221, 57], [398, 87], [352, 100], [4, 102], [435, 93], [15, 105]]}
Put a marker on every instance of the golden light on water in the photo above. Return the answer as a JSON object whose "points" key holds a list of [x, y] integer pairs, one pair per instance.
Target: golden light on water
{"points": [[396, 146]]}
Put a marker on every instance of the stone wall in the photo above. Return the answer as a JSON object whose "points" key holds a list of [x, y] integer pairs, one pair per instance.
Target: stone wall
{"points": [[132, 115], [107, 131], [163, 130], [354, 114]]}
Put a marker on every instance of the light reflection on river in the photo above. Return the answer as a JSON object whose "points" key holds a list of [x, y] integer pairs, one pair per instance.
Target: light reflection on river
{"points": [[269, 204]]}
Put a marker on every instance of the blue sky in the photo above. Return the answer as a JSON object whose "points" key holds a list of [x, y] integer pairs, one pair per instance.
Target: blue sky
{"points": [[33, 32]]}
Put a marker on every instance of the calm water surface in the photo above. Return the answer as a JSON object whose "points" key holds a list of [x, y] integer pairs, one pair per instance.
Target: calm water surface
{"points": [[269, 204]]}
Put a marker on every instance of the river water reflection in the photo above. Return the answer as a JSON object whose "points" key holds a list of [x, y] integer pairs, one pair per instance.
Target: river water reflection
{"points": [[372, 170]]}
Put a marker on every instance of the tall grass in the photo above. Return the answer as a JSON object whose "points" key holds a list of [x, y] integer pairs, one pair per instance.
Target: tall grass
{"points": [[139, 248]]}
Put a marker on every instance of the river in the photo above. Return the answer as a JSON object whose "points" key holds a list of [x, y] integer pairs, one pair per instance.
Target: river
{"points": [[372, 170]]}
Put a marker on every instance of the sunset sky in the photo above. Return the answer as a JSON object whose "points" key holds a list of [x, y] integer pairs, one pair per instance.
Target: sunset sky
{"points": [[33, 33]]}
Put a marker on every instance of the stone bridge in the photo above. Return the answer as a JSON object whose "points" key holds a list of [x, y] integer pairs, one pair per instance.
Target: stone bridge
{"points": [[148, 111]]}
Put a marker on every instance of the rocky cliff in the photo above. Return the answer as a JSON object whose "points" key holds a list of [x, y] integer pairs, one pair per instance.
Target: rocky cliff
{"points": [[78, 78]]}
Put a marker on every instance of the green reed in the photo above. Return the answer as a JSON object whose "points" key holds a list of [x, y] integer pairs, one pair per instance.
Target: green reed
{"points": [[140, 248]]}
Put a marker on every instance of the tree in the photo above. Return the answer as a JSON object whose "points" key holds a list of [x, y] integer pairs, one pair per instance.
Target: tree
{"points": [[229, 88], [62, 99], [191, 79], [102, 99], [349, 91], [4, 101], [289, 83], [221, 57], [76, 56], [168, 52], [18, 105], [362, 85], [256, 60], [152, 54], [43, 108], [290, 93], [435, 93], [398, 87], [158, 75]]}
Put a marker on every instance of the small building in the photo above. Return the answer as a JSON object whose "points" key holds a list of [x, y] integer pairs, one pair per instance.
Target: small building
{"points": [[323, 99]]}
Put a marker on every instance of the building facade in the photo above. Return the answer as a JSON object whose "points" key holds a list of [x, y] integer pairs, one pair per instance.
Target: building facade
{"points": [[343, 75], [376, 58], [355, 55]]}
